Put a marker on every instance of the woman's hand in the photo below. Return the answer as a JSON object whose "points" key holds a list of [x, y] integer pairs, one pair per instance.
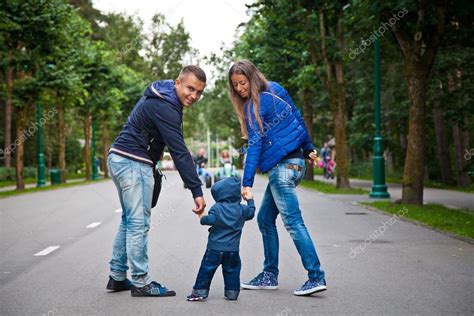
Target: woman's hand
{"points": [[247, 193], [314, 157]]}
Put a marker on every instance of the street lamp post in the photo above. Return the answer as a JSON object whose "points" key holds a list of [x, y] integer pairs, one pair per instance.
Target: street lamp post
{"points": [[41, 164], [379, 188]]}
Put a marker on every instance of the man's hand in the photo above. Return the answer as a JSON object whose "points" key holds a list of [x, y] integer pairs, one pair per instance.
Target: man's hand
{"points": [[247, 193], [203, 213], [200, 205]]}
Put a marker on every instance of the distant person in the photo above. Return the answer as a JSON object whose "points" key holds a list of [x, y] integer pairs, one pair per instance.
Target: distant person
{"points": [[200, 160], [278, 142], [325, 151], [154, 122], [330, 166], [226, 218], [225, 157]]}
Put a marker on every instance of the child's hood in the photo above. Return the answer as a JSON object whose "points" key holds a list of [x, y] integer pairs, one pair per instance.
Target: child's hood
{"points": [[227, 190]]}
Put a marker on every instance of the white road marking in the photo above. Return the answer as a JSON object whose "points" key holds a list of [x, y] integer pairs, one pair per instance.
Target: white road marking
{"points": [[47, 251], [93, 225]]}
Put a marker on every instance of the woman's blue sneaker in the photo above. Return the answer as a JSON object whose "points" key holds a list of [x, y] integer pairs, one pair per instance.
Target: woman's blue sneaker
{"points": [[263, 281], [311, 286]]}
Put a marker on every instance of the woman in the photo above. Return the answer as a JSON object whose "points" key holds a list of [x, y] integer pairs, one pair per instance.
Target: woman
{"points": [[278, 142]]}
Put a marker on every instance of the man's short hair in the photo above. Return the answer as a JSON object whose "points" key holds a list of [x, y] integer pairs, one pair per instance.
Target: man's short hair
{"points": [[195, 70]]}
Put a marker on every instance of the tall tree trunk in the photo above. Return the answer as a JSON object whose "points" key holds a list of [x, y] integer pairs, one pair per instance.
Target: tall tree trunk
{"points": [[419, 51], [87, 145], [105, 149], [342, 157], [413, 172], [460, 150], [308, 120], [442, 146], [21, 121], [335, 85], [8, 111], [61, 140]]}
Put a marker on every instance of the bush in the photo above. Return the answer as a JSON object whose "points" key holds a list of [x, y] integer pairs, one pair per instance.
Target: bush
{"points": [[8, 174]]}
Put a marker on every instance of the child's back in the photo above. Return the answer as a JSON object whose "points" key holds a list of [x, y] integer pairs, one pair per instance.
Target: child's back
{"points": [[226, 218]]}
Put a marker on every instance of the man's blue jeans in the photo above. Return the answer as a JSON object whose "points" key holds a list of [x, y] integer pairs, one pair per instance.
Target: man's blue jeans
{"points": [[231, 265], [134, 182], [280, 198]]}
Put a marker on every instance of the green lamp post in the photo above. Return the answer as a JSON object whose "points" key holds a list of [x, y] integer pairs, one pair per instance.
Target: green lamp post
{"points": [[379, 188], [40, 159], [41, 164], [95, 174]]}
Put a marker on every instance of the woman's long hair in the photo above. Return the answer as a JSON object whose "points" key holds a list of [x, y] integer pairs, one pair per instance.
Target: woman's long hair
{"points": [[257, 83]]}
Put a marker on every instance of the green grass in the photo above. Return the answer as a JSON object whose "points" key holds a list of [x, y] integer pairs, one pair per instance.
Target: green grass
{"points": [[46, 188], [330, 188], [70, 176], [13, 183], [456, 221]]}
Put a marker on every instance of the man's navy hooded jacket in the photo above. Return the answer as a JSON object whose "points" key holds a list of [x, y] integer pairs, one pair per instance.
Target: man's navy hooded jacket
{"points": [[227, 216], [156, 121]]}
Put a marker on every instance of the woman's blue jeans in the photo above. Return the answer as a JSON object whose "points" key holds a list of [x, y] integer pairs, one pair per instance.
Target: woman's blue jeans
{"points": [[134, 182], [280, 198]]}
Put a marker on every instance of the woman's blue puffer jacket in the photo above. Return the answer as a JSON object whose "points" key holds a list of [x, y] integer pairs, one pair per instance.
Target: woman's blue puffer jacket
{"points": [[283, 131]]}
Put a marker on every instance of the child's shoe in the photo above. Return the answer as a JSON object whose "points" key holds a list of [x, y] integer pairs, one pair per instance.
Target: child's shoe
{"points": [[197, 295], [263, 281], [194, 298]]}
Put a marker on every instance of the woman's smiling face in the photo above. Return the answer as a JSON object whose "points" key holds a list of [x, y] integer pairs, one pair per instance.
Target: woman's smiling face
{"points": [[240, 84]]}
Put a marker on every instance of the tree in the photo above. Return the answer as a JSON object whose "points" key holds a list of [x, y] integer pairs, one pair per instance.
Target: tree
{"points": [[418, 36], [169, 47]]}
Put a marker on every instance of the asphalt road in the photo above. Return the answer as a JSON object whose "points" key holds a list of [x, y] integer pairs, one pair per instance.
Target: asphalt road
{"points": [[375, 264]]}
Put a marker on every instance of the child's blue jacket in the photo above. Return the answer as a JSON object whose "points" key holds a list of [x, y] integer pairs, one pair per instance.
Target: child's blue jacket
{"points": [[227, 216]]}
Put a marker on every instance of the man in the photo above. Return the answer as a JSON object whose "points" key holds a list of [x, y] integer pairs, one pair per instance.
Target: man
{"points": [[155, 122], [200, 160]]}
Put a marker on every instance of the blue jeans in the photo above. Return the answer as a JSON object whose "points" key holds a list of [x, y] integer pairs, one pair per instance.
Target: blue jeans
{"points": [[134, 182], [231, 265], [280, 198]]}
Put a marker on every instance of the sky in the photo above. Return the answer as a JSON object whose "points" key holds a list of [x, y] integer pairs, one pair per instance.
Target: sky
{"points": [[209, 22]]}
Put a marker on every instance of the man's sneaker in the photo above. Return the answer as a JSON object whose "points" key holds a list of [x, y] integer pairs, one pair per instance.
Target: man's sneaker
{"points": [[116, 286], [311, 286], [195, 298], [153, 289], [263, 281]]}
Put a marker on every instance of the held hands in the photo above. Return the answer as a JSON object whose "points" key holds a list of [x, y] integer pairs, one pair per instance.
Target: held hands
{"points": [[204, 213], [247, 193], [200, 206]]}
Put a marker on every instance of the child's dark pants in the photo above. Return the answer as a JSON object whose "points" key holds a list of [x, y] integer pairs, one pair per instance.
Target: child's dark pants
{"points": [[230, 261]]}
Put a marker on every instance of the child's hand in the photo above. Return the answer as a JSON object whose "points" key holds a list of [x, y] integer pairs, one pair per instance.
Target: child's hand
{"points": [[246, 192], [249, 196]]}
